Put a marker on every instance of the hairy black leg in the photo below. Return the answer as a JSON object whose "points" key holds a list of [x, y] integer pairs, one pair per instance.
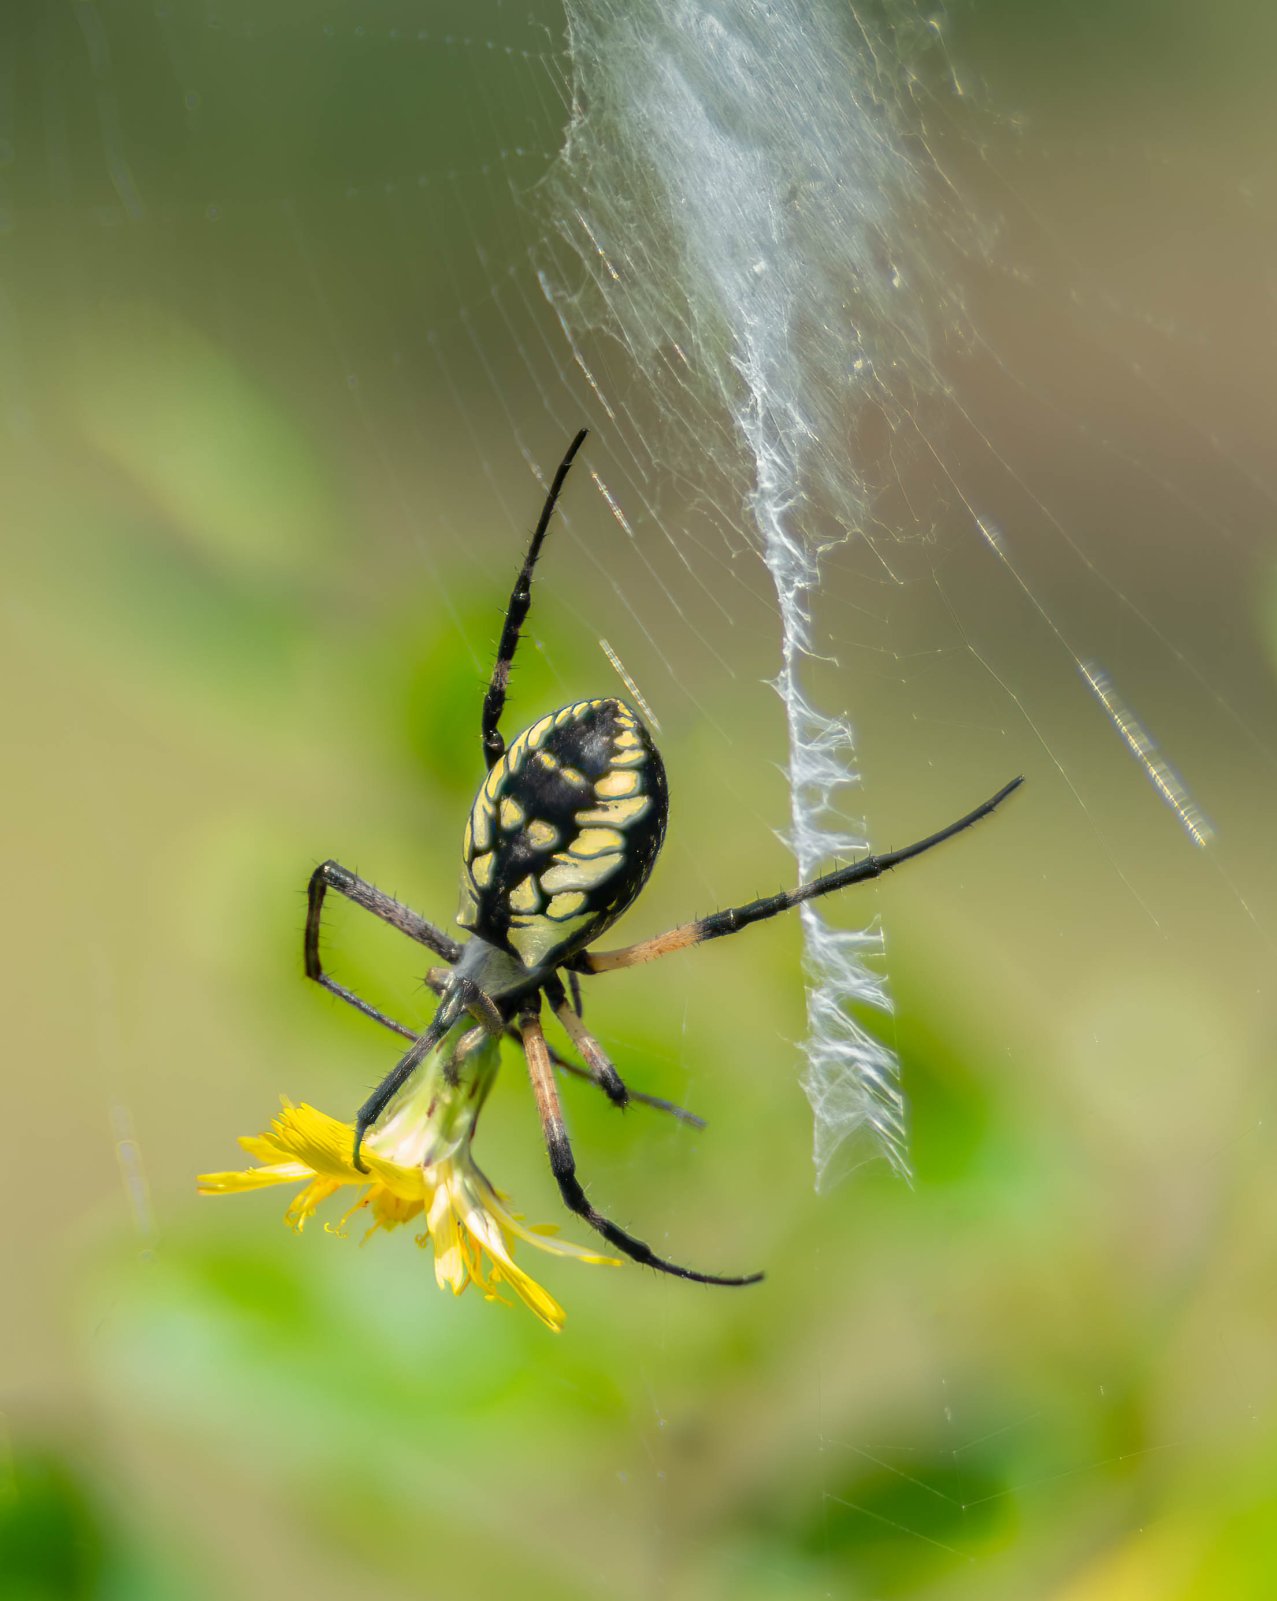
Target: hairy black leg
{"points": [[450, 1008], [734, 918], [563, 1166], [516, 614], [332, 875]]}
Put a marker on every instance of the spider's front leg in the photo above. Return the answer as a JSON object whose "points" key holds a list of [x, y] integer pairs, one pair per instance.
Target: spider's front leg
{"points": [[459, 994], [332, 875], [399, 1075], [516, 616]]}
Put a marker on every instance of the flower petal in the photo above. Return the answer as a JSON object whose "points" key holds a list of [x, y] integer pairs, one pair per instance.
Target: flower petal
{"points": [[536, 1299], [327, 1146], [549, 1243], [264, 1147], [324, 1144], [301, 1206], [253, 1178], [427, 1168], [390, 1210], [450, 1266]]}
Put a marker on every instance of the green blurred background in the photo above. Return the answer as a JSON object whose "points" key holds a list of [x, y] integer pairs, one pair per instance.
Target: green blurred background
{"points": [[272, 359]]}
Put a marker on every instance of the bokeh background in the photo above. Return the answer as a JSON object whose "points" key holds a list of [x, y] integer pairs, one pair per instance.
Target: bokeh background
{"points": [[273, 372]]}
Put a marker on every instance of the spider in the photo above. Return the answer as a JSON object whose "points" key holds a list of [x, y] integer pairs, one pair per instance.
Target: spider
{"points": [[562, 836]]}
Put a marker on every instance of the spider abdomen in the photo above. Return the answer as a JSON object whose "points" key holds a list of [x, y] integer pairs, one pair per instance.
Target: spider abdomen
{"points": [[563, 832]]}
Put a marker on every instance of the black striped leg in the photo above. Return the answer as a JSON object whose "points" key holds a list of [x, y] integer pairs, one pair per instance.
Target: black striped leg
{"points": [[515, 616], [331, 875], [450, 1009], [735, 918], [596, 1058], [563, 1166]]}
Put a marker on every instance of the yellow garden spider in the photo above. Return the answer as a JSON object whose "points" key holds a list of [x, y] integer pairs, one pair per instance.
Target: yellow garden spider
{"points": [[561, 838]]}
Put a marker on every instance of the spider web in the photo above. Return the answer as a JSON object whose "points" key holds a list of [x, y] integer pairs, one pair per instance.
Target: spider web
{"points": [[721, 235], [889, 456]]}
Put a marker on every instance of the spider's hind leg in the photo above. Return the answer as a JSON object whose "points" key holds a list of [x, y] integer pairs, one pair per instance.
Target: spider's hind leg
{"points": [[734, 918]]}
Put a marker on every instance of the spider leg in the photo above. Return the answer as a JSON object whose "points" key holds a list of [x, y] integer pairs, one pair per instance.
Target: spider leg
{"points": [[482, 1006], [331, 875], [457, 995], [386, 1021], [600, 1070], [734, 918], [596, 1058], [450, 1009], [437, 977], [563, 1166], [516, 613], [636, 1096]]}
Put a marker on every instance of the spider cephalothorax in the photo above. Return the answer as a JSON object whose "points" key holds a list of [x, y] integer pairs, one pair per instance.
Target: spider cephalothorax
{"points": [[561, 838]]}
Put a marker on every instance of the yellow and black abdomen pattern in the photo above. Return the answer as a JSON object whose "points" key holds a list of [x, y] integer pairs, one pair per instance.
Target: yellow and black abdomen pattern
{"points": [[563, 833]]}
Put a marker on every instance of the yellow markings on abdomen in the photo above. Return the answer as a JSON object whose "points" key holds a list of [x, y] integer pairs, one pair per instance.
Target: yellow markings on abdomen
{"points": [[541, 835], [568, 873], [596, 842], [481, 824], [481, 869], [537, 938], [512, 814], [525, 897], [562, 906], [616, 813], [614, 784]]}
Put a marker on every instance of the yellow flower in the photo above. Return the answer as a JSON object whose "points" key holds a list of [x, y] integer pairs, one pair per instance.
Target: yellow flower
{"points": [[419, 1164]]}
